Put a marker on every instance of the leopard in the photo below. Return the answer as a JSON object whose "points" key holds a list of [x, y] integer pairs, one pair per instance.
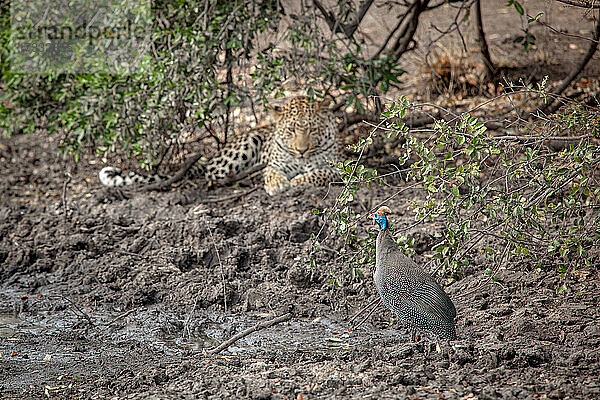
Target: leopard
{"points": [[301, 147]]}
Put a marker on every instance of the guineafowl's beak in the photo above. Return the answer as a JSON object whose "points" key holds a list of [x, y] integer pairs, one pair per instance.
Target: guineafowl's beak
{"points": [[373, 218]]}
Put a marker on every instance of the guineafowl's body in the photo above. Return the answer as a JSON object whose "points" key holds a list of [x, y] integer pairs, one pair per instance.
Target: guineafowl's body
{"points": [[410, 292]]}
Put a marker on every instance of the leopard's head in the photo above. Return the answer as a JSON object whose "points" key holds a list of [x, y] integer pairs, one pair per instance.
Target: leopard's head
{"points": [[303, 127]]}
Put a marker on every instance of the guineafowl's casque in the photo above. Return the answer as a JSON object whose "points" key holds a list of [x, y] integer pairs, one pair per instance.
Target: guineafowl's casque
{"points": [[407, 290]]}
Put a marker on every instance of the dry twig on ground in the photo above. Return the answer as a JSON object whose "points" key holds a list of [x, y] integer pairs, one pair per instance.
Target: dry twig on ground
{"points": [[255, 328]]}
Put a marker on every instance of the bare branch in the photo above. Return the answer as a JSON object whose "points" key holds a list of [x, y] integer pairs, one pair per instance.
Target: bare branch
{"points": [[580, 3], [362, 11], [552, 106], [79, 309], [543, 138], [408, 31], [363, 310], [333, 22], [401, 19], [559, 32], [234, 196], [375, 307]]}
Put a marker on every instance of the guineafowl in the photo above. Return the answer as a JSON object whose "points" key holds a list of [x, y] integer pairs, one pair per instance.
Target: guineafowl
{"points": [[406, 289]]}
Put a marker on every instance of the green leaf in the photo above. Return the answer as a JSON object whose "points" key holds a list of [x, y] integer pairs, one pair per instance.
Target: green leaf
{"points": [[517, 6], [534, 19], [385, 85]]}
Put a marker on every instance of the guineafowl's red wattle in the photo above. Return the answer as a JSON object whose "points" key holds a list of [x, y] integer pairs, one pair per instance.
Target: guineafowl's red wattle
{"points": [[406, 289]]}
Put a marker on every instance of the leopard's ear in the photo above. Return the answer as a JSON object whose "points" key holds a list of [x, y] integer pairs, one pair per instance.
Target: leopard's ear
{"points": [[275, 111], [325, 103]]}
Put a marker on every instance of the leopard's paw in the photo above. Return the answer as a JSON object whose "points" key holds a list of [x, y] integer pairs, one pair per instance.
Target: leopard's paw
{"points": [[315, 178], [275, 182]]}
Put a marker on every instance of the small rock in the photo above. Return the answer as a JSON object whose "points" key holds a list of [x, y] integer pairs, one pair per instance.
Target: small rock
{"points": [[269, 375], [575, 358], [300, 231], [160, 377], [404, 352], [300, 275], [462, 357], [429, 374], [422, 242], [362, 367], [556, 394], [264, 396], [333, 382]]}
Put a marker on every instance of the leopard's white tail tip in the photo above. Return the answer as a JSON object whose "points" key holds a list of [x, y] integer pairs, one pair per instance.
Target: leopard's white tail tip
{"points": [[115, 177], [111, 176]]}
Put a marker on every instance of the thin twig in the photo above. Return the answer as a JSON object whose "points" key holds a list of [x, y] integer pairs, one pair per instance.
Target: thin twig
{"points": [[83, 313], [119, 317], [64, 193], [559, 32], [362, 310], [581, 3], [537, 138], [257, 327], [367, 316], [492, 273]]}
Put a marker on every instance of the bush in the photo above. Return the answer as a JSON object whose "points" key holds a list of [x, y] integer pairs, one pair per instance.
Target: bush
{"points": [[206, 58], [527, 199], [196, 49]]}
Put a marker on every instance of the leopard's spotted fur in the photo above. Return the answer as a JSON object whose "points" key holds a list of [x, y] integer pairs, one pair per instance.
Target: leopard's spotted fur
{"points": [[296, 149]]}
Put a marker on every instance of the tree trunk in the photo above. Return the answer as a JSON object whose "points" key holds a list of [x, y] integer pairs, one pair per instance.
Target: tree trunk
{"points": [[490, 70]]}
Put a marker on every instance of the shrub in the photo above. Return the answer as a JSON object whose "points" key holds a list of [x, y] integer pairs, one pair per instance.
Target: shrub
{"points": [[206, 58], [530, 198]]}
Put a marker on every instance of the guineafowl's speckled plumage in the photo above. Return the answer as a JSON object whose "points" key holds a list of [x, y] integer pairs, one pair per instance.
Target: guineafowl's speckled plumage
{"points": [[406, 289]]}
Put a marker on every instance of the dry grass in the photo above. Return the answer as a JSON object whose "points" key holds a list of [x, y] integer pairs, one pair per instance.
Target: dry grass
{"points": [[447, 70]]}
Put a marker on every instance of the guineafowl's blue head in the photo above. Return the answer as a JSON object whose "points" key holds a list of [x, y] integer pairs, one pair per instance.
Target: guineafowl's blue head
{"points": [[380, 217]]}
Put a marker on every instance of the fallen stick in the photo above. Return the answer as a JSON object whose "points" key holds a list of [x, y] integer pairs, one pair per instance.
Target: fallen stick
{"points": [[367, 317], [64, 193], [119, 317], [232, 197], [257, 327], [82, 313], [363, 310]]}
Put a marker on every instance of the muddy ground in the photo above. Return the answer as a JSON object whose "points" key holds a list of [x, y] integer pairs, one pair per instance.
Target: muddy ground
{"points": [[124, 295], [103, 296]]}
